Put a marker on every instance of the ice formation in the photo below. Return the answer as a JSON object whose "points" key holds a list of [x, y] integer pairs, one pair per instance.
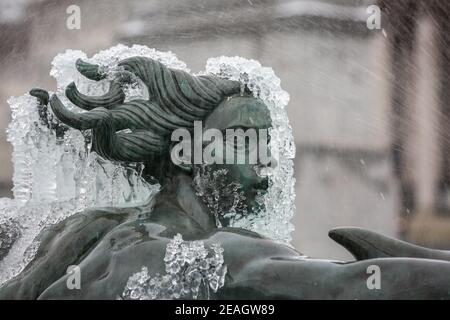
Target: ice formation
{"points": [[192, 270], [274, 221], [224, 199], [55, 177]]}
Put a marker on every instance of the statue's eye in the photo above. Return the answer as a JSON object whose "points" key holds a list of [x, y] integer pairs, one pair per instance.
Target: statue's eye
{"points": [[235, 141], [240, 140]]}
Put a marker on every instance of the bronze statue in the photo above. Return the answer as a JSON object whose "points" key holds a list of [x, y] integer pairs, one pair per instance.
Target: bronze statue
{"points": [[110, 245]]}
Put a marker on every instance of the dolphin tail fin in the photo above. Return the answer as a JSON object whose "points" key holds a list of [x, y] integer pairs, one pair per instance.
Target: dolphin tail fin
{"points": [[364, 244]]}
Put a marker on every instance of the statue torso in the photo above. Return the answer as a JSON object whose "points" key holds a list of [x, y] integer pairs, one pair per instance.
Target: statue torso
{"points": [[142, 241]]}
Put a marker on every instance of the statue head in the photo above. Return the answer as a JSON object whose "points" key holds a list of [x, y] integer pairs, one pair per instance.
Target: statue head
{"points": [[232, 177], [142, 130]]}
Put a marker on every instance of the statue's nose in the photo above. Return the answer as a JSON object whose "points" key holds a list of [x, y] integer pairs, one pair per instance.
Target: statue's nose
{"points": [[268, 162]]}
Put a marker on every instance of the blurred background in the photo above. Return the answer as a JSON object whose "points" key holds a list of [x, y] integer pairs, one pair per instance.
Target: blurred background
{"points": [[369, 102]]}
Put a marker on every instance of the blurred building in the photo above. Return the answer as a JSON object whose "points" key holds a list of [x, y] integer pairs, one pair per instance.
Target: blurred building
{"points": [[360, 161], [419, 53]]}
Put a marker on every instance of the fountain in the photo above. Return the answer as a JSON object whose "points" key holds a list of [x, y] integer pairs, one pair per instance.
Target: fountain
{"points": [[102, 209]]}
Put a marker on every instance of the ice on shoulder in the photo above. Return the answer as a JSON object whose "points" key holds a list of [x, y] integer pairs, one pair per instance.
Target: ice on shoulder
{"points": [[192, 270]]}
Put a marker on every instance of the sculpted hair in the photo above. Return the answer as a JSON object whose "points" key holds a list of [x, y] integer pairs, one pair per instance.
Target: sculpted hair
{"points": [[176, 100]]}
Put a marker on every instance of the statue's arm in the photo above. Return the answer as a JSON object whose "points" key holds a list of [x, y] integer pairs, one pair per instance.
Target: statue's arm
{"points": [[60, 246]]}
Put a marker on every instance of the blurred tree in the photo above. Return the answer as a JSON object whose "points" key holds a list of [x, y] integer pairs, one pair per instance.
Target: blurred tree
{"points": [[440, 12], [401, 17]]}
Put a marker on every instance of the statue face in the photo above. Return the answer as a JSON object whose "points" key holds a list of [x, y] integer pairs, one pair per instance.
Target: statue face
{"points": [[238, 187]]}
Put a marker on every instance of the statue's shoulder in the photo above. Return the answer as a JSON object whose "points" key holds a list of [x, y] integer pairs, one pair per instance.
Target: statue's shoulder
{"points": [[78, 232], [240, 242], [62, 244], [92, 220], [159, 227]]}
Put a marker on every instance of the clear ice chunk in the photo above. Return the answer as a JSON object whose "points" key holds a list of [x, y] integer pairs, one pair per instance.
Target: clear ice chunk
{"points": [[192, 270]]}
